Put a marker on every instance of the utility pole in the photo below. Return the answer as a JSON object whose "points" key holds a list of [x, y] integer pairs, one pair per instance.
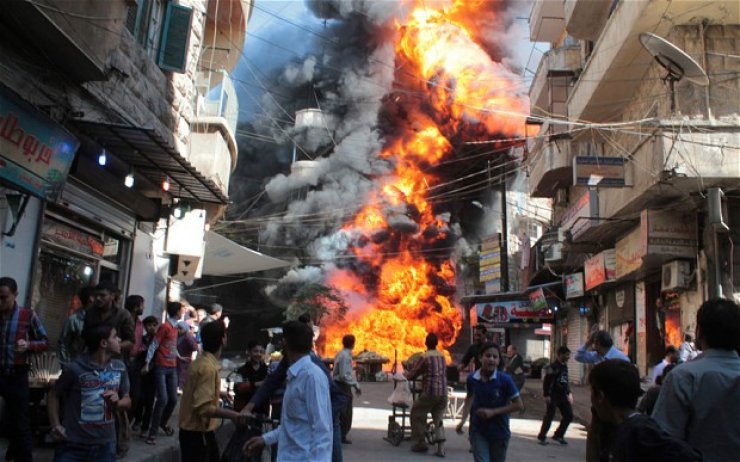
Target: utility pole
{"points": [[504, 231]]}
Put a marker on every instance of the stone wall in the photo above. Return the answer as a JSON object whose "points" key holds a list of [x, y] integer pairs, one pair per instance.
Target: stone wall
{"points": [[652, 98], [146, 95]]}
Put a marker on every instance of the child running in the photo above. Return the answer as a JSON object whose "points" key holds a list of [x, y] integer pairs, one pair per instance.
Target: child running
{"points": [[492, 396]]}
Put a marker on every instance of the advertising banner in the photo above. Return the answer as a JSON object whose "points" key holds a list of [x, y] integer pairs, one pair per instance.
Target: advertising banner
{"points": [[574, 285], [509, 311]]}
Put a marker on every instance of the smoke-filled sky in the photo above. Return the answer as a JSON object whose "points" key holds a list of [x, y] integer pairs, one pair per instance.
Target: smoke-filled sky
{"points": [[340, 55], [281, 70]]}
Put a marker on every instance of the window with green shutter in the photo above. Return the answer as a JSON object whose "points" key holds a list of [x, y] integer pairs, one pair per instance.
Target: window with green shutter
{"points": [[173, 45]]}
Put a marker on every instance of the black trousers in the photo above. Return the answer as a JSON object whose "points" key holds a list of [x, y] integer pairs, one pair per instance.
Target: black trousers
{"points": [[345, 417], [14, 389], [198, 446], [566, 411]]}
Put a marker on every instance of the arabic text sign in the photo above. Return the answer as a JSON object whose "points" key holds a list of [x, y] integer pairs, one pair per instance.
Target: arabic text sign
{"points": [[35, 152], [598, 171]]}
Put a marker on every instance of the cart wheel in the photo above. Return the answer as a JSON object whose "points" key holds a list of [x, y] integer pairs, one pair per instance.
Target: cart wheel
{"points": [[431, 433], [395, 433]]}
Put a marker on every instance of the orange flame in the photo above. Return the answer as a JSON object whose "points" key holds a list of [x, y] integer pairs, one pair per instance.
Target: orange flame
{"points": [[400, 288]]}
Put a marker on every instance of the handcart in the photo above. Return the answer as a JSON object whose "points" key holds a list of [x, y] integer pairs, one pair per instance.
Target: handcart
{"points": [[397, 432]]}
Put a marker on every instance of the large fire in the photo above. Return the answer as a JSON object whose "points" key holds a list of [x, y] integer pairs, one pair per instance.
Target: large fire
{"points": [[405, 281]]}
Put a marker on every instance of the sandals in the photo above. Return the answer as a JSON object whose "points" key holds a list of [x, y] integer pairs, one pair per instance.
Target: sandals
{"points": [[169, 431], [150, 440]]}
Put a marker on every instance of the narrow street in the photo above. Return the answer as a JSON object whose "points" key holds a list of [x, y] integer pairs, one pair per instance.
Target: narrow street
{"points": [[370, 426], [371, 421]]}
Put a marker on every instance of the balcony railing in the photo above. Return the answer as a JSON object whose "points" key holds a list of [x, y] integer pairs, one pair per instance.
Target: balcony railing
{"points": [[553, 77], [551, 168], [218, 97]]}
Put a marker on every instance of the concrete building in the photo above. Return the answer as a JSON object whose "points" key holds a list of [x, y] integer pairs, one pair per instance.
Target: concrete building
{"points": [[644, 180], [117, 124]]}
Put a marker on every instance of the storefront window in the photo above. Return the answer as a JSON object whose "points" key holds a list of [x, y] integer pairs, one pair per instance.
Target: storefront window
{"points": [[60, 276], [73, 256]]}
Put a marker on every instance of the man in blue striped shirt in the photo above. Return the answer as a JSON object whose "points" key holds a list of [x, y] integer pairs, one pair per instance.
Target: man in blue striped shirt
{"points": [[599, 348]]}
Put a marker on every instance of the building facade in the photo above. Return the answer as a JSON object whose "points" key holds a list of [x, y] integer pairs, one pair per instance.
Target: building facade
{"points": [[641, 157], [118, 122]]}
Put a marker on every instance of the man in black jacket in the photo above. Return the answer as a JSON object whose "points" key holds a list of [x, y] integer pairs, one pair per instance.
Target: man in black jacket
{"points": [[557, 395]]}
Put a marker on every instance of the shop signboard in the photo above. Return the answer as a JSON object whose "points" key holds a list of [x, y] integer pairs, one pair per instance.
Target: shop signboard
{"points": [[35, 152], [490, 263], [630, 251], [510, 311], [574, 285], [186, 235], [598, 171], [664, 233], [72, 238], [600, 268], [669, 233], [582, 215]]}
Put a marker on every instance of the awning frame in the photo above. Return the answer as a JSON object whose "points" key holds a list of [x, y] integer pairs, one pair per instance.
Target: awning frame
{"points": [[154, 158]]}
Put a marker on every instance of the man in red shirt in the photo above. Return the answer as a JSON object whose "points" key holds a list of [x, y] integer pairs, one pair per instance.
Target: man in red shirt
{"points": [[21, 332], [163, 351]]}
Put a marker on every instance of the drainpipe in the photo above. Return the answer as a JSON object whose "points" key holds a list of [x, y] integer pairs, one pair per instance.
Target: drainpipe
{"points": [[702, 37]]}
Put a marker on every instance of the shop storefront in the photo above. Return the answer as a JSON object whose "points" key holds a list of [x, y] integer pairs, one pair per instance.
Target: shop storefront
{"points": [[513, 320], [659, 256], [84, 240], [574, 321]]}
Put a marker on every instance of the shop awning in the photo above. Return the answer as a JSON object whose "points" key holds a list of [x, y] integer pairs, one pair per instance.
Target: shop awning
{"points": [[224, 257], [155, 158]]}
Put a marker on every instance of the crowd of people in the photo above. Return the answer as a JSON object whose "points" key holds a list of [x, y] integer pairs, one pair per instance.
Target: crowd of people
{"points": [[122, 372]]}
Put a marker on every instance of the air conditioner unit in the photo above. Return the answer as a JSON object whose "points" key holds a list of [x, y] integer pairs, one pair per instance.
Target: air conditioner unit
{"points": [[676, 275], [554, 253]]}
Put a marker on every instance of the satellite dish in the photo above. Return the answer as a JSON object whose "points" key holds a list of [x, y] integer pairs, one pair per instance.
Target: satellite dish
{"points": [[675, 61]]}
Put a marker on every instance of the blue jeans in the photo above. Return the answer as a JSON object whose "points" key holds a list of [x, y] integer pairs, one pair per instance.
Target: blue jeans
{"points": [[485, 450], [165, 381], [336, 443], [73, 452]]}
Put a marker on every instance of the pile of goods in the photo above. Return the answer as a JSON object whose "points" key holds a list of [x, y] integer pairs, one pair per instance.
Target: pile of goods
{"points": [[371, 357]]}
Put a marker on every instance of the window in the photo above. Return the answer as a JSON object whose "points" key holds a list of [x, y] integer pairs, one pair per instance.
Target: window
{"points": [[162, 28]]}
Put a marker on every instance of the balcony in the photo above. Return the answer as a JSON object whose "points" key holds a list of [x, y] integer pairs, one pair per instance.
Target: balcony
{"points": [[553, 78], [226, 30], [546, 21], [78, 46], [212, 140], [599, 96], [552, 167], [670, 170], [584, 19]]}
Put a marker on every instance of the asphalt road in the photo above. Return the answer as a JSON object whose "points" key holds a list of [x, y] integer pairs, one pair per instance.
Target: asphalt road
{"points": [[370, 424]]}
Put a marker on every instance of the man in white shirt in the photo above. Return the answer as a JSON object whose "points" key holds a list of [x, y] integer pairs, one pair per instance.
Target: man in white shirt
{"points": [[345, 379], [687, 351], [305, 431], [671, 356]]}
